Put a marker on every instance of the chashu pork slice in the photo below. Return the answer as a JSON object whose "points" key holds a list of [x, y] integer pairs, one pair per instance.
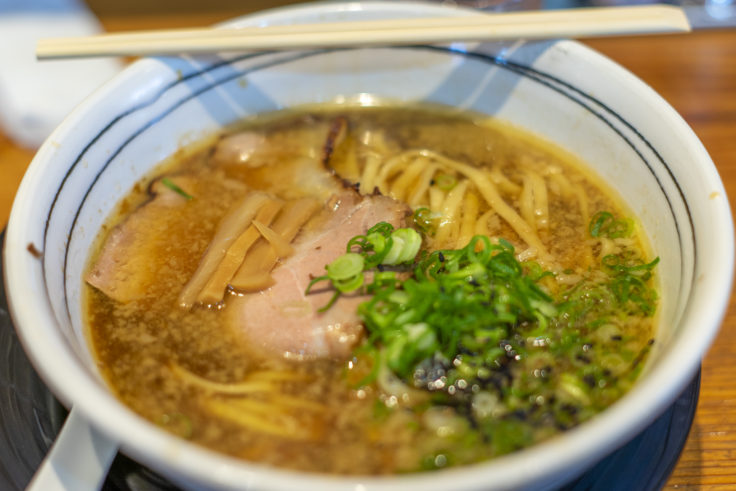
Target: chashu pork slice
{"points": [[284, 321], [123, 270]]}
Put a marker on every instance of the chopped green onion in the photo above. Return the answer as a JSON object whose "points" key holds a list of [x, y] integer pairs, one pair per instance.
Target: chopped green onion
{"points": [[453, 295], [597, 223], [445, 181], [378, 241], [346, 272], [346, 266], [411, 241], [404, 247], [572, 387], [375, 245], [426, 220], [604, 224], [453, 321], [171, 185], [349, 284], [392, 257], [382, 245]]}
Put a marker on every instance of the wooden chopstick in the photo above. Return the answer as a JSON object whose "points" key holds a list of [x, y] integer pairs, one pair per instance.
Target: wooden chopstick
{"points": [[574, 23]]}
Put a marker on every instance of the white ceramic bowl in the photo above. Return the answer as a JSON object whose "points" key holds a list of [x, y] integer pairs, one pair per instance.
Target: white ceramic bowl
{"points": [[560, 90]]}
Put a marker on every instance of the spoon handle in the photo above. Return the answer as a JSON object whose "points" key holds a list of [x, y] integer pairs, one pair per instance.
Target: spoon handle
{"points": [[78, 460]]}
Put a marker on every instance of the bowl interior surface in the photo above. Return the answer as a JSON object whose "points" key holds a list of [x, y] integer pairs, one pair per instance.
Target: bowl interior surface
{"points": [[559, 90]]}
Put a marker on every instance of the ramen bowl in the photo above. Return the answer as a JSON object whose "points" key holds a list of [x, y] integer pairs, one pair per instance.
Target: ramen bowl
{"points": [[560, 90]]}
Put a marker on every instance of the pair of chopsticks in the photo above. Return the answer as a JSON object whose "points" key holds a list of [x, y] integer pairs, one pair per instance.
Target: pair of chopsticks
{"points": [[573, 23]]}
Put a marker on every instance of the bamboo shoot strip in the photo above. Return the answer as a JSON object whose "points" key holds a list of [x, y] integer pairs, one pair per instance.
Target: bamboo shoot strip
{"points": [[215, 288], [233, 224], [255, 273], [281, 247]]}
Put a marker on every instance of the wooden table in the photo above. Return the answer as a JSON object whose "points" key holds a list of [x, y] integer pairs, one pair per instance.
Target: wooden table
{"points": [[696, 73]]}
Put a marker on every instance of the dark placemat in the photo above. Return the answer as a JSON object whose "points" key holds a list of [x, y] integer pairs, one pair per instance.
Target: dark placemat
{"points": [[30, 418]]}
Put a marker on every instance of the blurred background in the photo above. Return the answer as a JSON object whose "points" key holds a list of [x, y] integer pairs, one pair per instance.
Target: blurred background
{"points": [[718, 12]]}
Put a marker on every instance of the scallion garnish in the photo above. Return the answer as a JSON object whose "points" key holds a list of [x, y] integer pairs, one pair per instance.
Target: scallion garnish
{"points": [[473, 323], [466, 299], [346, 272], [381, 246], [426, 220], [603, 224], [171, 185], [445, 181]]}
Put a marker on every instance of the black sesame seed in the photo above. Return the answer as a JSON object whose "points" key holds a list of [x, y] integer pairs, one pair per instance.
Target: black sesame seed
{"points": [[582, 358], [570, 409]]}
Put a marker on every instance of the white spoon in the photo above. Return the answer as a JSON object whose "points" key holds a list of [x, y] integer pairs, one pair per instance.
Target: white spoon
{"points": [[78, 460]]}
